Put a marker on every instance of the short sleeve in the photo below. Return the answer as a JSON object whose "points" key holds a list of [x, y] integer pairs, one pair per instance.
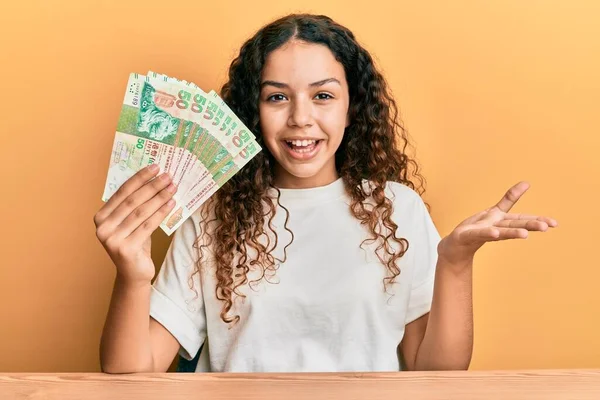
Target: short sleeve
{"points": [[423, 246], [173, 303]]}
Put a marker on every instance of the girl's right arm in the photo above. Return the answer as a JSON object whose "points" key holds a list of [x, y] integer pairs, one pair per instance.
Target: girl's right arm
{"points": [[131, 340]]}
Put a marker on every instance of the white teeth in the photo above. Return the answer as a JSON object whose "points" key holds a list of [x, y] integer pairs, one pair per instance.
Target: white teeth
{"points": [[302, 143]]}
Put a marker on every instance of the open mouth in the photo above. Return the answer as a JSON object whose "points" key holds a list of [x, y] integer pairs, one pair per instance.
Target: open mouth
{"points": [[303, 150], [302, 146]]}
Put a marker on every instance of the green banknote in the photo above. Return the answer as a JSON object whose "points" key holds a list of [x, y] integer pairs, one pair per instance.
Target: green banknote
{"points": [[234, 146], [145, 135], [188, 106], [190, 134]]}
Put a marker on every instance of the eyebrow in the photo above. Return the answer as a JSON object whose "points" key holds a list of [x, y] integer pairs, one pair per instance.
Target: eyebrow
{"points": [[282, 85]]}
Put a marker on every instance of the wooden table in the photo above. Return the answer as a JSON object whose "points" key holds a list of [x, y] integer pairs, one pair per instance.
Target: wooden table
{"points": [[463, 385]]}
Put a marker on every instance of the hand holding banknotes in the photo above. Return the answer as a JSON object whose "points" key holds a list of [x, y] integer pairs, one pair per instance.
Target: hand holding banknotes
{"points": [[174, 147], [125, 223]]}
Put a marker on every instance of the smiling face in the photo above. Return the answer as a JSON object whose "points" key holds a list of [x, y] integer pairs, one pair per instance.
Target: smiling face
{"points": [[303, 110]]}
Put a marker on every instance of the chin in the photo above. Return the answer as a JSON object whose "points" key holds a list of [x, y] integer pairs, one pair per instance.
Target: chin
{"points": [[303, 173]]}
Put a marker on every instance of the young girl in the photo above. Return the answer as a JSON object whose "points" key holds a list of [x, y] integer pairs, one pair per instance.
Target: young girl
{"points": [[320, 254]]}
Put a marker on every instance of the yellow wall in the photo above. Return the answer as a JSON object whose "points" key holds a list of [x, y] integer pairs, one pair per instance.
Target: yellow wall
{"points": [[492, 91]]}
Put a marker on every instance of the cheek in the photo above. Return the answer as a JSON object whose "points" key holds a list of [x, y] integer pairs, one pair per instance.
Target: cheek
{"points": [[270, 122], [269, 127], [333, 123]]}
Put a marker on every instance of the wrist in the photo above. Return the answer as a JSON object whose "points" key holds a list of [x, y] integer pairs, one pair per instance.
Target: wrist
{"points": [[451, 253], [127, 282], [460, 267]]}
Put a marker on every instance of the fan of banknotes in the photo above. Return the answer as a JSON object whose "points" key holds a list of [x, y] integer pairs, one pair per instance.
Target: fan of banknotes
{"points": [[190, 134]]}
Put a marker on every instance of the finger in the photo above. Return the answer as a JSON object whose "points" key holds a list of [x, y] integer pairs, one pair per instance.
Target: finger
{"points": [[492, 234], [145, 211], [550, 221], [530, 225], [131, 205], [512, 196], [141, 196], [130, 186], [145, 229], [512, 233], [479, 235]]}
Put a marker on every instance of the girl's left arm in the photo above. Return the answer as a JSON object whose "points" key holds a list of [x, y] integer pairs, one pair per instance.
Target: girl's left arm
{"points": [[443, 338]]}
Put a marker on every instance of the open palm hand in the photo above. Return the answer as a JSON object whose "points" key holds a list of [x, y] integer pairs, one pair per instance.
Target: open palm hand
{"points": [[492, 224]]}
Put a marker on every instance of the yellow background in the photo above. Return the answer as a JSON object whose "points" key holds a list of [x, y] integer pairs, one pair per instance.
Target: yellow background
{"points": [[493, 92]]}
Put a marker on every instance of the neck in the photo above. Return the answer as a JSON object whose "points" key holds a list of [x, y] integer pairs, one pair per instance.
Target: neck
{"points": [[285, 180]]}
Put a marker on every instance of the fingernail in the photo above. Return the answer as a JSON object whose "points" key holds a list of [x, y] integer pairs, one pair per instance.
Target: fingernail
{"points": [[165, 177], [153, 168], [171, 188]]}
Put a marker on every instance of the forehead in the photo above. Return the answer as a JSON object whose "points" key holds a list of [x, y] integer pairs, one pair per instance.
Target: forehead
{"points": [[298, 61]]}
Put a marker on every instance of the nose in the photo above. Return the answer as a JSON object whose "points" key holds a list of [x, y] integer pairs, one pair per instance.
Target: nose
{"points": [[300, 113]]}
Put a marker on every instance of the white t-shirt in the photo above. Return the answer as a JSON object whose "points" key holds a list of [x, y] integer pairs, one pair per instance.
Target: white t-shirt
{"points": [[325, 308]]}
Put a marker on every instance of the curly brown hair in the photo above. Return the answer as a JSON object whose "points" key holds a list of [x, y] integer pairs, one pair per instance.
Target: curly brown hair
{"points": [[373, 149]]}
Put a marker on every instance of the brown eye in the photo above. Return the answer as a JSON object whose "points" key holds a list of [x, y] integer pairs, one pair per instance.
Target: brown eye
{"points": [[276, 97], [323, 96]]}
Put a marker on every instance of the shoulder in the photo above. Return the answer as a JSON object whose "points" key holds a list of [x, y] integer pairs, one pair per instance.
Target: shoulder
{"points": [[401, 195], [409, 210]]}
